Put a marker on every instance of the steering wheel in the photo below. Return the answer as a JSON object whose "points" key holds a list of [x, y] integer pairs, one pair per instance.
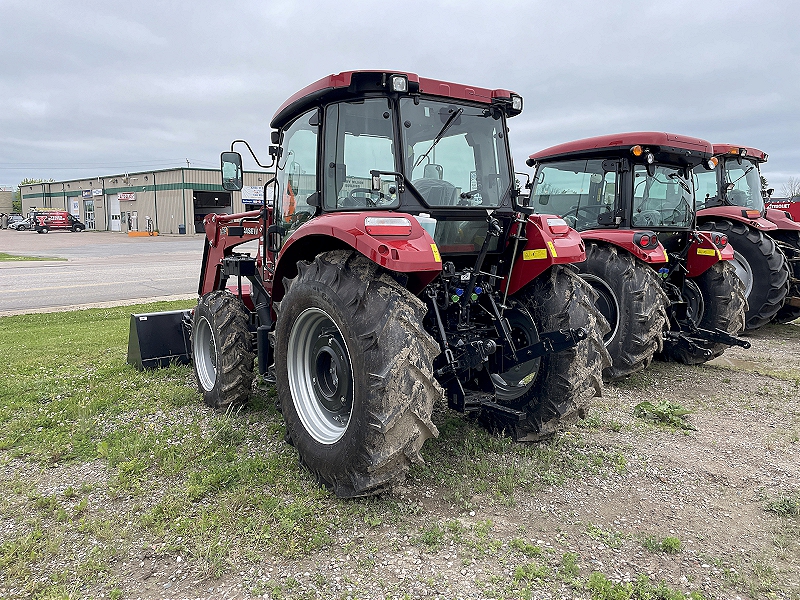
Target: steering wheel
{"points": [[647, 218], [353, 200]]}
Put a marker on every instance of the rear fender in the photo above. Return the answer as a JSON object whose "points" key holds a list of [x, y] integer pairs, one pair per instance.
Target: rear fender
{"points": [[782, 220], [623, 238], [734, 213], [543, 249], [704, 253], [410, 250]]}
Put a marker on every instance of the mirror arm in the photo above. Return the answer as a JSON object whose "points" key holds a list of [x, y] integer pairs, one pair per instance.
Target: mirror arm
{"points": [[253, 154]]}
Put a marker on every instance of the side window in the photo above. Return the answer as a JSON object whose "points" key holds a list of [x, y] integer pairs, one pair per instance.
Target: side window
{"points": [[578, 191], [297, 172], [359, 138], [705, 183]]}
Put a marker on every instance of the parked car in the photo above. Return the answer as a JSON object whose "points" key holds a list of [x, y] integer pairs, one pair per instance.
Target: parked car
{"points": [[21, 224]]}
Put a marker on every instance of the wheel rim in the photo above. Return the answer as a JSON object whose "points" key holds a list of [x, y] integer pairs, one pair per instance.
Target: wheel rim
{"points": [[744, 272], [205, 354], [320, 375], [513, 383], [606, 303], [695, 305]]}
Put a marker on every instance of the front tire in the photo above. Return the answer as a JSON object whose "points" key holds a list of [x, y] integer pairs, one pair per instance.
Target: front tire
{"points": [[354, 373], [721, 304], [222, 351], [567, 380], [761, 266], [632, 301]]}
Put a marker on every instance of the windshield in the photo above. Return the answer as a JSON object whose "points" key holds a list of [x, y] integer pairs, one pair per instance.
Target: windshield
{"points": [[577, 190], [746, 180], [455, 155], [664, 199]]}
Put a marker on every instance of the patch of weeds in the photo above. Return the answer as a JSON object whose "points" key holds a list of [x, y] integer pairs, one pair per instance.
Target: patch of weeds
{"points": [[530, 571], [612, 539], [527, 549], [785, 506], [602, 588], [569, 569], [432, 536], [668, 545], [664, 413]]}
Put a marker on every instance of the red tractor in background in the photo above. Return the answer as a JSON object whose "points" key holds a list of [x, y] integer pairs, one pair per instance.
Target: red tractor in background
{"points": [[663, 286], [766, 241], [395, 266]]}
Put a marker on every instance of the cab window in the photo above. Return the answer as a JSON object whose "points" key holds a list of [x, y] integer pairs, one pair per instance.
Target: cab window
{"points": [[297, 172], [359, 139]]}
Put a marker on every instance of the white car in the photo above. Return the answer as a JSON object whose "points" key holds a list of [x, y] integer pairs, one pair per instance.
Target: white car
{"points": [[21, 225]]}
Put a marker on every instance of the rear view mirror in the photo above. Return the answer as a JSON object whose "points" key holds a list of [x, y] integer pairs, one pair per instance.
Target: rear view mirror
{"points": [[231, 171]]}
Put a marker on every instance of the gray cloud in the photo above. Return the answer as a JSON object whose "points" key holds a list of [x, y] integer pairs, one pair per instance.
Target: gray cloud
{"points": [[92, 88]]}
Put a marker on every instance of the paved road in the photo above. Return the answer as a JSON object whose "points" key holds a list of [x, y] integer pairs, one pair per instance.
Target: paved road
{"points": [[100, 269]]}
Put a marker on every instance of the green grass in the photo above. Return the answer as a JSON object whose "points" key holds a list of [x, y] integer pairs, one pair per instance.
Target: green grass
{"points": [[4, 256]]}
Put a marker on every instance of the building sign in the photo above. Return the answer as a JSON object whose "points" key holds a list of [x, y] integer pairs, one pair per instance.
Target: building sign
{"points": [[252, 194], [75, 208], [126, 196], [86, 193], [97, 192]]}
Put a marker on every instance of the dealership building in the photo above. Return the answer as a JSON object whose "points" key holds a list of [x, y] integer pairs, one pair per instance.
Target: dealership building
{"points": [[170, 200]]}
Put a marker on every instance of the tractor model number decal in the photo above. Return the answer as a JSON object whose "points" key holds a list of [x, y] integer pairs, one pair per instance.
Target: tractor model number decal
{"points": [[552, 249], [436, 256], [250, 230], [537, 254]]}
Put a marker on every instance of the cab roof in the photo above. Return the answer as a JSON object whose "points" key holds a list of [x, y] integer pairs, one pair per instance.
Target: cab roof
{"points": [[354, 83], [759, 155], [624, 141]]}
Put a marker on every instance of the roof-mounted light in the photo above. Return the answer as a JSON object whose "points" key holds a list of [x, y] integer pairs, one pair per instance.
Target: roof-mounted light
{"points": [[637, 150], [516, 103], [742, 152], [650, 158], [712, 162], [399, 83]]}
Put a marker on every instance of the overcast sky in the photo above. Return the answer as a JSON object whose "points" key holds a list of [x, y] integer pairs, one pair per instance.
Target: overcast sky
{"points": [[96, 88]]}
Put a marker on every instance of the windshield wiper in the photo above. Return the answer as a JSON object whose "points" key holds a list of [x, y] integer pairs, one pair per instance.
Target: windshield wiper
{"points": [[746, 171], [684, 185], [439, 135]]}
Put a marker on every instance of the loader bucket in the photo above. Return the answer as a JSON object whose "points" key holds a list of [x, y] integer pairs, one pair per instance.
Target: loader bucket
{"points": [[158, 339]]}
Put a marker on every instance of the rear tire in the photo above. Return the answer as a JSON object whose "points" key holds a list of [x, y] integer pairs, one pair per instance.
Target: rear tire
{"points": [[568, 380], [722, 306], [632, 301], [762, 267], [42, 230], [790, 240], [222, 351], [354, 373]]}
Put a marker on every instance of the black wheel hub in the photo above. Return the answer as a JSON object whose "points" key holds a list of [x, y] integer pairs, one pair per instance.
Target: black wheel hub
{"points": [[331, 372]]}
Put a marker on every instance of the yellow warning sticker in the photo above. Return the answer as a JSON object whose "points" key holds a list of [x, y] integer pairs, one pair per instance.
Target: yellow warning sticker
{"points": [[706, 251], [666, 258], [534, 254], [552, 249], [436, 256]]}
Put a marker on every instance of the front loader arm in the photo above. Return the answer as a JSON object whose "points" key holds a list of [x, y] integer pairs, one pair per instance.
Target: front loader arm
{"points": [[223, 233]]}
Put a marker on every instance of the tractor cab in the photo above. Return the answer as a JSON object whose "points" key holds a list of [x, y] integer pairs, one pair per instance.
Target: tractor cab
{"points": [[372, 142], [637, 181], [736, 181]]}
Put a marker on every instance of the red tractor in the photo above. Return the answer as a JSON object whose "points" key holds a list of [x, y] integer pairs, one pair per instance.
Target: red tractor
{"points": [[395, 266], [663, 286], [766, 241]]}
